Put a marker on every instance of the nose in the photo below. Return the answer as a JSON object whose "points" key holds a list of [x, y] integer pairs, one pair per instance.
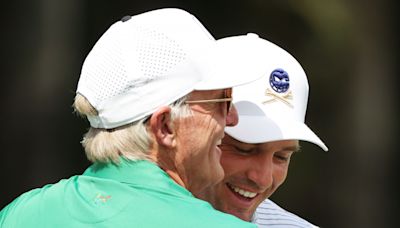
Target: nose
{"points": [[261, 172], [232, 117]]}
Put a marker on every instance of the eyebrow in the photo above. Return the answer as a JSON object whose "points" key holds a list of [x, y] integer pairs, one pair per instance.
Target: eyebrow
{"points": [[295, 149]]}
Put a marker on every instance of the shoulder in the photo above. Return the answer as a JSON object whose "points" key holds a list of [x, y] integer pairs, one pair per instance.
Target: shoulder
{"points": [[269, 213], [26, 209], [220, 219], [196, 213]]}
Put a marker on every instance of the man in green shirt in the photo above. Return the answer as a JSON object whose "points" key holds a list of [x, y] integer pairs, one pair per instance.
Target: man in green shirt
{"points": [[156, 89]]}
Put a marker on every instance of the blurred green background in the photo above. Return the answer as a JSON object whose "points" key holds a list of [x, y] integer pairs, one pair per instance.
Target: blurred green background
{"points": [[348, 48]]}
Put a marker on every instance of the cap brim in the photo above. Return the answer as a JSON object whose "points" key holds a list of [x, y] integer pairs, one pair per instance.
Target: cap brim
{"points": [[236, 60], [256, 126]]}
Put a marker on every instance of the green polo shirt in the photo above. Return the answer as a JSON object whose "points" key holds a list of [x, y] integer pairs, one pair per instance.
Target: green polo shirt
{"points": [[132, 194]]}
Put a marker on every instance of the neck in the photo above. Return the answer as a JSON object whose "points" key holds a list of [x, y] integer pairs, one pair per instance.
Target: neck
{"points": [[175, 176], [162, 159]]}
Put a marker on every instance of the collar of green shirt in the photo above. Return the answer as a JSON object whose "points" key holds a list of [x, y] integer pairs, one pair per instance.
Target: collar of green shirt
{"points": [[139, 174]]}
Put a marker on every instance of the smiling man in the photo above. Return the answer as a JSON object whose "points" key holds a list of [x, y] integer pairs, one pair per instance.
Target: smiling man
{"points": [[256, 152]]}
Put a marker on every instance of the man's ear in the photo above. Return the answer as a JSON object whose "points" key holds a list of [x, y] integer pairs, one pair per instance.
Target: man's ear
{"points": [[161, 126]]}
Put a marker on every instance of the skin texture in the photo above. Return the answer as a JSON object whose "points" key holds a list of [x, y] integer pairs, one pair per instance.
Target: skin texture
{"points": [[257, 169], [187, 149]]}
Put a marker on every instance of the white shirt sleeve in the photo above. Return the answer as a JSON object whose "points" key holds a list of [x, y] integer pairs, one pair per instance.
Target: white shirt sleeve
{"points": [[269, 214]]}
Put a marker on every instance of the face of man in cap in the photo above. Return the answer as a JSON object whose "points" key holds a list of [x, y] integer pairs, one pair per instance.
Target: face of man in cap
{"points": [[196, 156], [252, 173]]}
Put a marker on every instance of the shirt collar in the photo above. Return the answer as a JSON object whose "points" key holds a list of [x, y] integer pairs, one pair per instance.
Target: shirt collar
{"points": [[142, 173]]}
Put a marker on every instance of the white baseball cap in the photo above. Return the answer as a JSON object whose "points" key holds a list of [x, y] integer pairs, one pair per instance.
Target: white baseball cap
{"points": [[273, 108], [152, 59]]}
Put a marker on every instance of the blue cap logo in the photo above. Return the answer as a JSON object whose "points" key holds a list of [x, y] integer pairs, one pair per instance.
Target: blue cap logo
{"points": [[279, 80]]}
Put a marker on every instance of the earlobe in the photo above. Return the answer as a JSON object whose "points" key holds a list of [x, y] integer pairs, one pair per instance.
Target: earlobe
{"points": [[161, 127]]}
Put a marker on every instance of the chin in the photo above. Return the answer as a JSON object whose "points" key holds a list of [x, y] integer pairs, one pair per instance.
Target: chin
{"points": [[246, 216], [218, 175], [218, 172]]}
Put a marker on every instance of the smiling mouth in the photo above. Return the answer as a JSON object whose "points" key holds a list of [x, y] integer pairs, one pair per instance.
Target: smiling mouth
{"points": [[241, 192]]}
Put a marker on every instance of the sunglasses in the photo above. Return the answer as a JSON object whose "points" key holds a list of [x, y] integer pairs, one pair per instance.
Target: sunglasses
{"points": [[227, 98]]}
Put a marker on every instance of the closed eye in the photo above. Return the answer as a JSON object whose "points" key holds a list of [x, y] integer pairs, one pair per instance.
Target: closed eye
{"points": [[238, 150], [245, 151], [283, 158]]}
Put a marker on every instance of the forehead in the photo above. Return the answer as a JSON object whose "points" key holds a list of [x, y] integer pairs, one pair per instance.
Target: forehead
{"points": [[281, 144]]}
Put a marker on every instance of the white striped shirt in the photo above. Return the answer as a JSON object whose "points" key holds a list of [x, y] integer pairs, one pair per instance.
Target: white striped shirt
{"points": [[269, 214]]}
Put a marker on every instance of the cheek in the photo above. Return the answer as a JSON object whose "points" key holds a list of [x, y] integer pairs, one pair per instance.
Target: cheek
{"points": [[205, 126], [281, 174], [231, 164], [195, 130]]}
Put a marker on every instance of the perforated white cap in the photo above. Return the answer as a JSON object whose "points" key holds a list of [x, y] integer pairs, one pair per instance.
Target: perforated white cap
{"points": [[152, 59], [273, 107]]}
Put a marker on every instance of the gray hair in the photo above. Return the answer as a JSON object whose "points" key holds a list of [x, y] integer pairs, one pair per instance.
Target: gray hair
{"points": [[131, 141]]}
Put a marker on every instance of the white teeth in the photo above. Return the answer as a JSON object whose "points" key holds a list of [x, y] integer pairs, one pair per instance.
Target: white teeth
{"points": [[242, 192], [219, 142]]}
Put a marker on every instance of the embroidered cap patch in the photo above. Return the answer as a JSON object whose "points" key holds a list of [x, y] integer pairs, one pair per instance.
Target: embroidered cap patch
{"points": [[280, 84]]}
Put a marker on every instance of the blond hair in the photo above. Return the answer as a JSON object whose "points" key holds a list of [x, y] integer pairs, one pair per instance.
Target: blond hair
{"points": [[131, 141]]}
